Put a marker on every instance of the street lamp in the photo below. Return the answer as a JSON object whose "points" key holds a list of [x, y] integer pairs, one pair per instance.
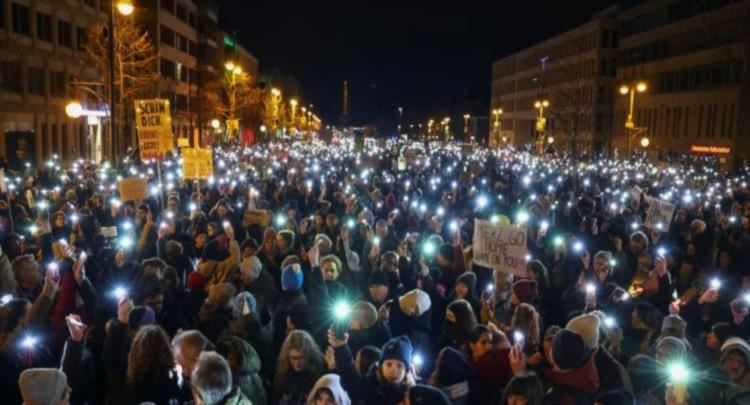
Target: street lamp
{"points": [[400, 118], [233, 70], [293, 103], [645, 142], [74, 109], [466, 123], [126, 8], [630, 90]]}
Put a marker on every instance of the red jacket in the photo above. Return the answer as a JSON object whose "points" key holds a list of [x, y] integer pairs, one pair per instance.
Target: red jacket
{"points": [[568, 387], [491, 373]]}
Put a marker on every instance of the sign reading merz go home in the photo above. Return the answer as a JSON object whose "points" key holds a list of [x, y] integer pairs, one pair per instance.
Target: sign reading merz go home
{"points": [[154, 124]]}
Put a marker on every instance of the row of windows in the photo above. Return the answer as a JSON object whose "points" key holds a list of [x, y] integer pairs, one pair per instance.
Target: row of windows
{"points": [[177, 71], [703, 121], [37, 80], [700, 77], [177, 41], [668, 14], [693, 41], [180, 11], [21, 20]]}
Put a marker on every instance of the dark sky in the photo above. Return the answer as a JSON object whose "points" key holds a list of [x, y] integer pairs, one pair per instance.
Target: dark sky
{"points": [[431, 57]]}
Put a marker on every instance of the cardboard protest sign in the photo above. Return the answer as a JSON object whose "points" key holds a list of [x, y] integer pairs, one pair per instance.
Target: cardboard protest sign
{"points": [[197, 163], [257, 217], [500, 247], [133, 188], [154, 124], [659, 214]]}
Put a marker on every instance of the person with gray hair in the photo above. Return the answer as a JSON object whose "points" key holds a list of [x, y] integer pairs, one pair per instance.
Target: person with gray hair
{"points": [[212, 382], [187, 347], [259, 282]]}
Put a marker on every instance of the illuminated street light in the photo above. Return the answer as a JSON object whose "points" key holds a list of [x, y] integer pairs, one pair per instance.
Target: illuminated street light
{"points": [[74, 109], [125, 7], [625, 90], [229, 65], [215, 123], [645, 142]]}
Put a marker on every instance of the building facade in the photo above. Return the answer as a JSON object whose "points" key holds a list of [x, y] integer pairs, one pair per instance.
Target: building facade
{"points": [[695, 58], [574, 72], [41, 52]]}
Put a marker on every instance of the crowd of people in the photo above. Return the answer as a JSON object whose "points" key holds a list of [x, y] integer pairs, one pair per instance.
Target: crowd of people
{"points": [[332, 274]]}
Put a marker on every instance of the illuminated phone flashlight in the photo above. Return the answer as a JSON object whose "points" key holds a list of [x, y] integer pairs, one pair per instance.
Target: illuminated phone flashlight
{"points": [[120, 292], [745, 297], [528, 258], [163, 225], [678, 375], [518, 338], [193, 206], [127, 225], [74, 218], [226, 224], [428, 249], [522, 217], [453, 226], [440, 211], [578, 247], [558, 241], [280, 220], [417, 360], [490, 288], [376, 240], [62, 241], [115, 202], [481, 202], [612, 263], [590, 288], [544, 225], [53, 266], [6, 299], [715, 284], [341, 310], [661, 251], [43, 205], [126, 242], [634, 225], [609, 322], [309, 184], [28, 342], [625, 296], [733, 219]]}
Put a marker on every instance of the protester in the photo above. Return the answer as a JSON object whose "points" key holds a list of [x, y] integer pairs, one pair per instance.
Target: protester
{"points": [[629, 262]]}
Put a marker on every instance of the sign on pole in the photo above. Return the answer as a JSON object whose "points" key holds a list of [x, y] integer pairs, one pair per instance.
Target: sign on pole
{"points": [[197, 163], [154, 124], [500, 247], [659, 214]]}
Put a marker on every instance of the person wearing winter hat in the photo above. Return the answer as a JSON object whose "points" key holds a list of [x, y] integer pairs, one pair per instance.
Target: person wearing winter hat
{"points": [[243, 304], [414, 303], [365, 327], [524, 291], [328, 390], [574, 377], [378, 287], [292, 277], [291, 295], [425, 395], [451, 375], [44, 386], [735, 362], [386, 382], [612, 374], [675, 326]]}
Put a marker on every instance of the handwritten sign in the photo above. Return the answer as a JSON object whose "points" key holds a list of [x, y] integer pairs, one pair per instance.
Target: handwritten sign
{"points": [[154, 124], [500, 247], [133, 188], [197, 163], [257, 217], [659, 214]]}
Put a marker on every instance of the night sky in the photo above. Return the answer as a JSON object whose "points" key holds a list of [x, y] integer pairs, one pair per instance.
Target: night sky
{"points": [[431, 57]]}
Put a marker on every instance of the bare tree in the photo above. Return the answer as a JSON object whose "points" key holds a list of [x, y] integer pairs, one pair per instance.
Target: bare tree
{"points": [[571, 98], [240, 98], [136, 68]]}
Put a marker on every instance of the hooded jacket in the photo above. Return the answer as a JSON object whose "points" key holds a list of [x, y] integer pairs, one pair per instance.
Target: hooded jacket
{"points": [[573, 387], [333, 383], [490, 374], [366, 389], [738, 391], [248, 377]]}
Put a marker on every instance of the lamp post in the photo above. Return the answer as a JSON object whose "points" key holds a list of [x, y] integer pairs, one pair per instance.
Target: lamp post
{"points": [[630, 90], [496, 126], [446, 126], [75, 110], [293, 103], [541, 122], [233, 70], [430, 123], [400, 118], [276, 94], [124, 7], [466, 125]]}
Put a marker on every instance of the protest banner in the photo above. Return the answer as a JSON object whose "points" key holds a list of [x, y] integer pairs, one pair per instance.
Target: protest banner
{"points": [[659, 214], [133, 188], [154, 124], [197, 163], [500, 247]]}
